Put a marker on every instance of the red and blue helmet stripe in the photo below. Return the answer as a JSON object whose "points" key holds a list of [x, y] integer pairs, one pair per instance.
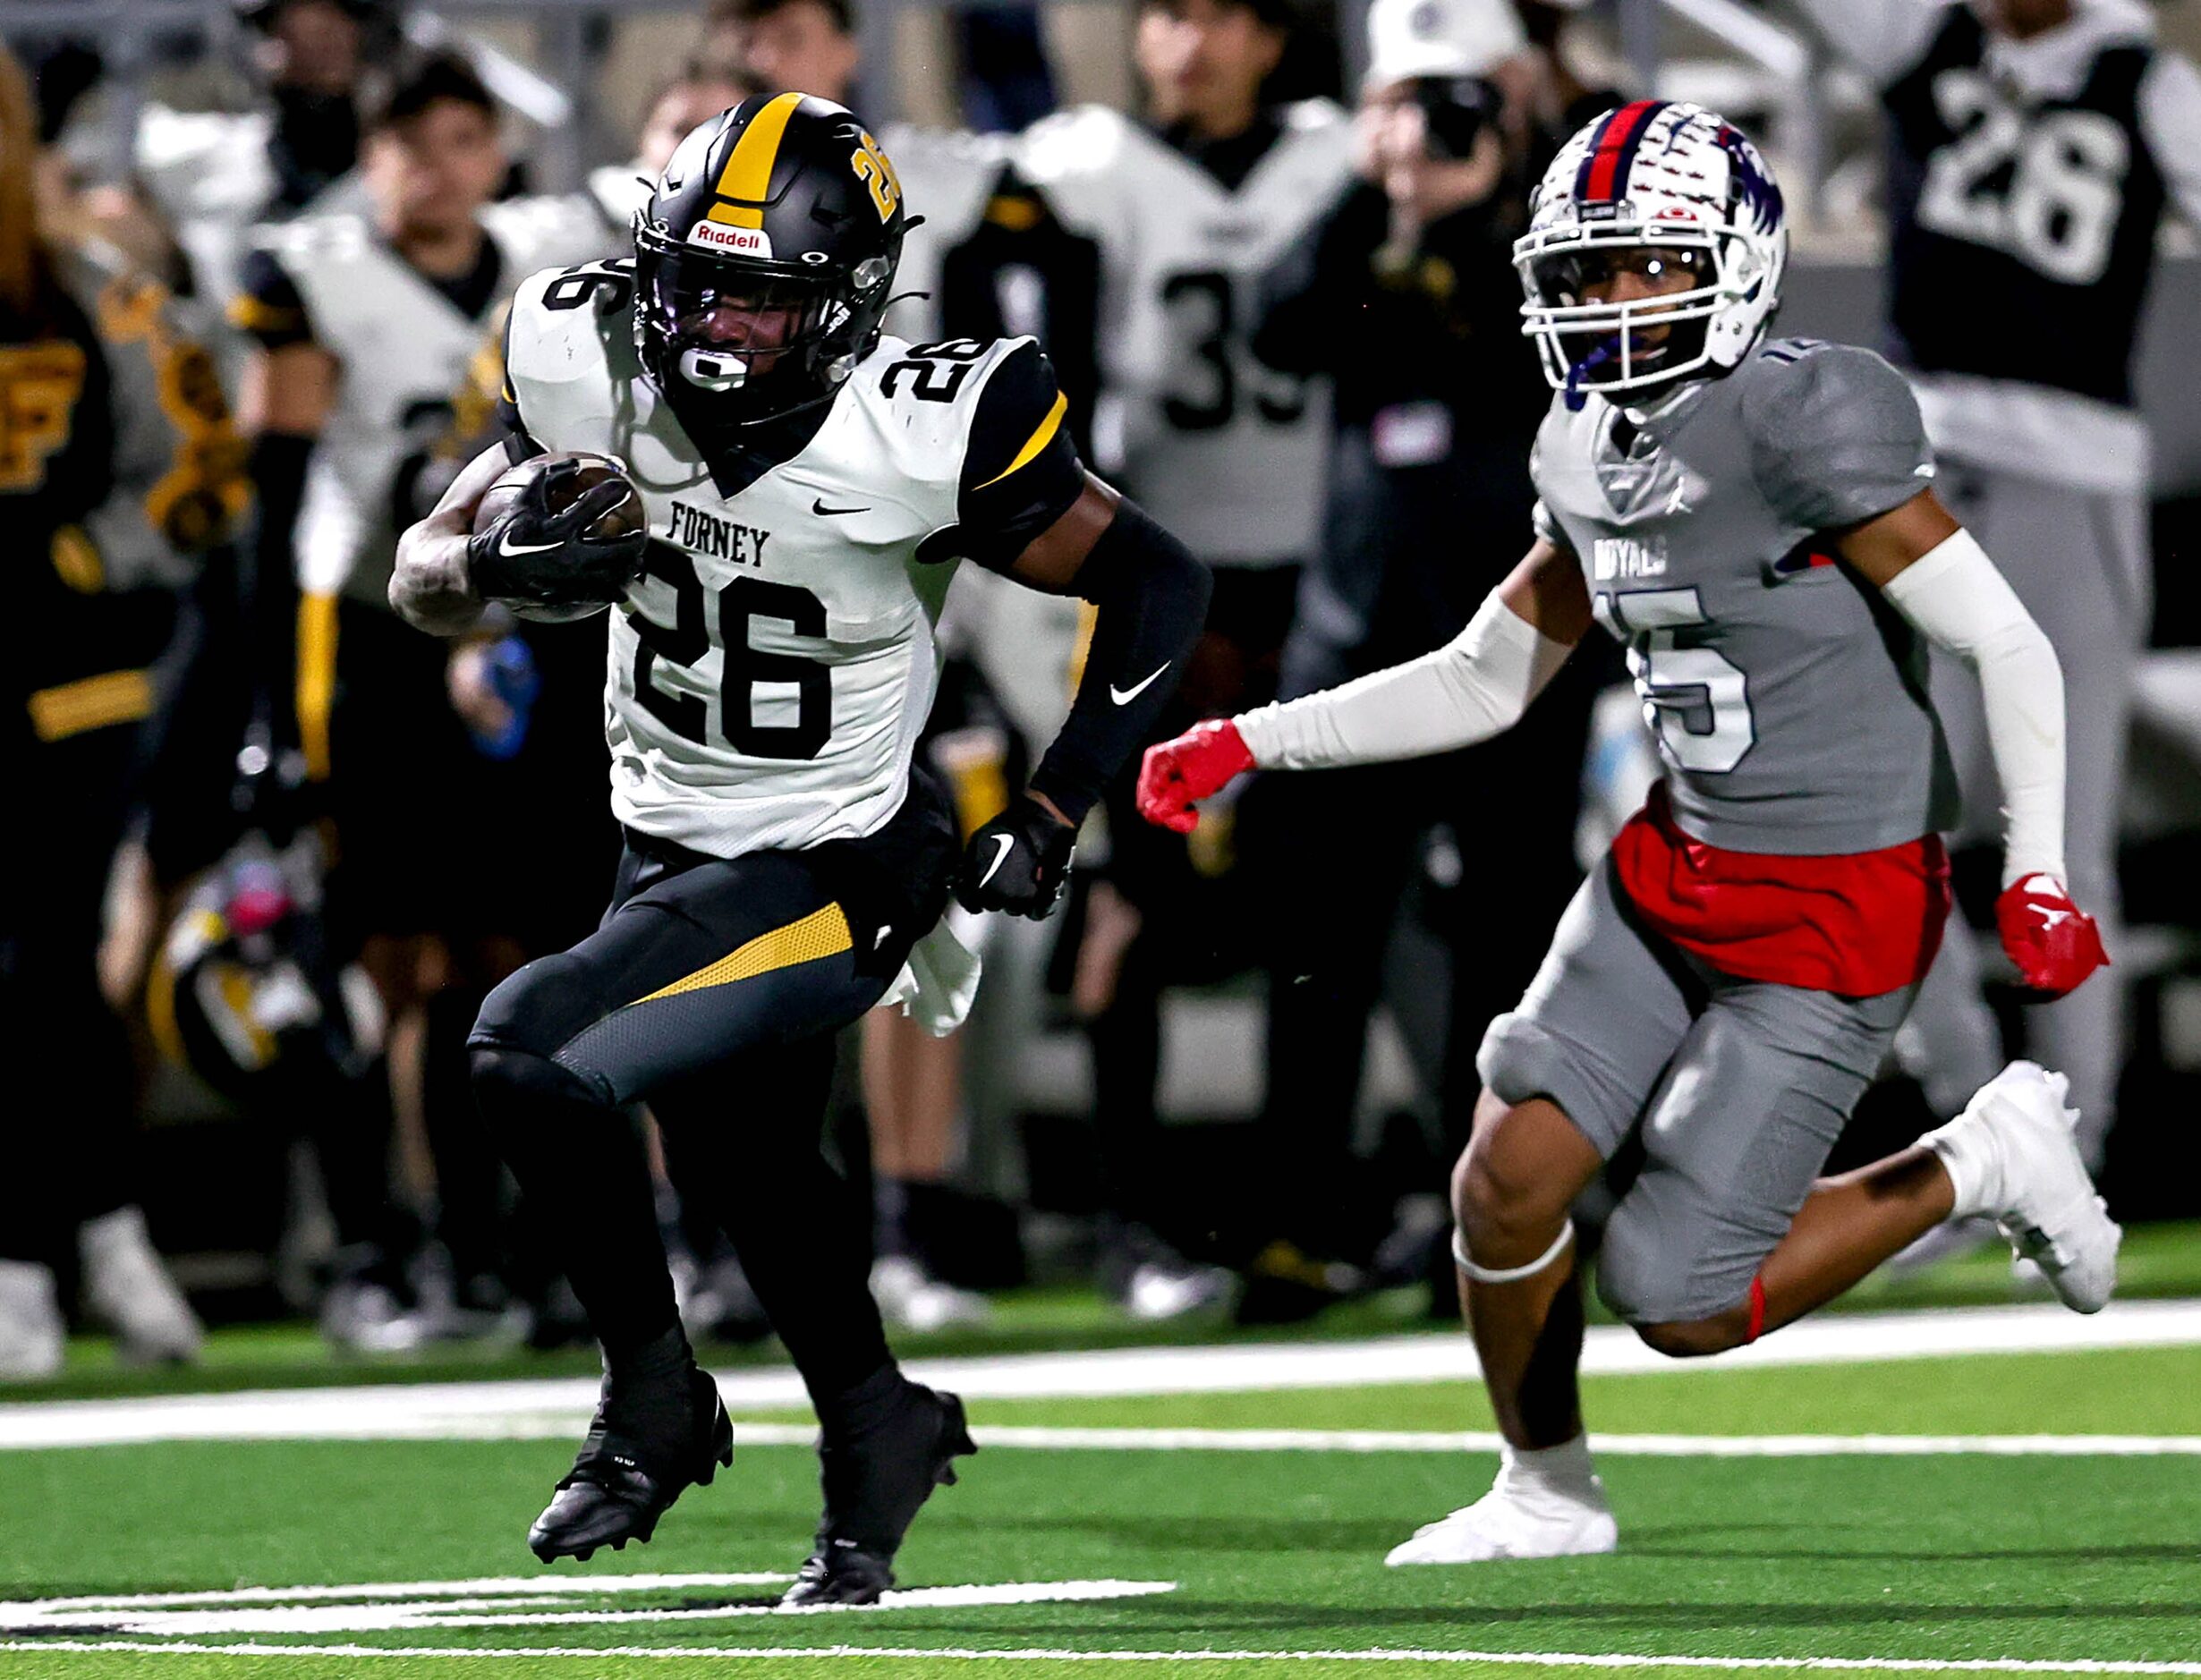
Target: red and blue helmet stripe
{"points": [[1603, 178]]}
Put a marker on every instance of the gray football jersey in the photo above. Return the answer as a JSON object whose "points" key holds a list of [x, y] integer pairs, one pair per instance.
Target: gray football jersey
{"points": [[1788, 697]]}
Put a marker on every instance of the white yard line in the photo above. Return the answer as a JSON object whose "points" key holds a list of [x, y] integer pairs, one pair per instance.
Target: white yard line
{"points": [[1047, 1438], [910, 1653], [492, 1585], [536, 1408], [500, 1603]]}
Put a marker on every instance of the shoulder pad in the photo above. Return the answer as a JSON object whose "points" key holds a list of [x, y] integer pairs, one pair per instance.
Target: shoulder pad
{"points": [[1083, 143], [944, 148], [925, 397], [1789, 374], [1835, 434], [554, 306], [338, 237], [204, 162], [566, 343], [548, 228]]}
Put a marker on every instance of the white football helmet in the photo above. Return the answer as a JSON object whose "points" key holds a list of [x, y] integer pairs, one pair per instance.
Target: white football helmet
{"points": [[1666, 176]]}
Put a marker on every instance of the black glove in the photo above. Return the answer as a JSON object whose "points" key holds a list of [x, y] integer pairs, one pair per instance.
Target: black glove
{"points": [[539, 557], [1019, 862]]}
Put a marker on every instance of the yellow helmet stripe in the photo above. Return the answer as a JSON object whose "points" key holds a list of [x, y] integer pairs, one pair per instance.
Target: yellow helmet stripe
{"points": [[1039, 440], [748, 173]]}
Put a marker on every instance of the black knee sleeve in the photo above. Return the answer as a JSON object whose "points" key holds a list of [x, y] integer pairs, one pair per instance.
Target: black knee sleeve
{"points": [[505, 1077]]}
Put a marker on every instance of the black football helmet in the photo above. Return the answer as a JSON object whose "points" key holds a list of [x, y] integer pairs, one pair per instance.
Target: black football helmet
{"points": [[764, 258]]}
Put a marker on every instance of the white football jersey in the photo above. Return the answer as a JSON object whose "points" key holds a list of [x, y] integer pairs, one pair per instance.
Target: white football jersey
{"points": [[769, 674], [1228, 453], [403, 352]]}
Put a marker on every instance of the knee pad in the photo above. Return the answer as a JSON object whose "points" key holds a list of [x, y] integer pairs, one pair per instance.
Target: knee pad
{"points": [[1521, 1058], [1645, 1278]]}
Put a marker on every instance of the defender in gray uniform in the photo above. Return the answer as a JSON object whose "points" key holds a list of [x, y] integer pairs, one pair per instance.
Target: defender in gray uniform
{"points": [[1755, 521]]}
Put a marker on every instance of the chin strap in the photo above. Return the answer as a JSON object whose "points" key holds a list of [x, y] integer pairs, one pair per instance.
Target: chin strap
{"points": [[1605, 351]]}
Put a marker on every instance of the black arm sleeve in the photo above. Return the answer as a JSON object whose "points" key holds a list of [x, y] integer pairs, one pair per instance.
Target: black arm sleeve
{"points": [[1152, 599], [267, 308]]}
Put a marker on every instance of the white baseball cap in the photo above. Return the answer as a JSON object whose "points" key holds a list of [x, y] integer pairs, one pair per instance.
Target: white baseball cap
{"points": [[1439, 37]]}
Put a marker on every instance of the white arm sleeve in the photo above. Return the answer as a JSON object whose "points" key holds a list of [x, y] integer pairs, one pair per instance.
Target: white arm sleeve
{"points": [[1475, 686], [1959, 601]]}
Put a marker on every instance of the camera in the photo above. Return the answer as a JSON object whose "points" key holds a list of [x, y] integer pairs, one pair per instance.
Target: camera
{"points": [[1455, 109]]}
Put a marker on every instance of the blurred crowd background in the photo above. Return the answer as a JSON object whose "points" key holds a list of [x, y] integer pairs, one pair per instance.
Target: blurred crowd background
{"points": [[271, 848]]}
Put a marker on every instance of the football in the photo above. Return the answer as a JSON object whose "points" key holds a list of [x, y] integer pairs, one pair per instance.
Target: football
{"points": [[625, 518]]}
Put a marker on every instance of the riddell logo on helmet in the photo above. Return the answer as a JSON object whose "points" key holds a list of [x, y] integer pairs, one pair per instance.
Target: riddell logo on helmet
{"points": [[746, 241]]}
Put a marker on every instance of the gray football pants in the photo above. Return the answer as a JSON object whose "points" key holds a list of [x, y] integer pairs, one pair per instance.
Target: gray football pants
{"points": [[1737, 1089], [2080, 562]]}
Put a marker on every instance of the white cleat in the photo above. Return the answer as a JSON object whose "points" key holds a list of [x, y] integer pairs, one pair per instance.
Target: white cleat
{"points": [[129, 1287], [911, 1298], [1159, 1291], [1522, 1515], [2041, 1198], [32, 1334]]}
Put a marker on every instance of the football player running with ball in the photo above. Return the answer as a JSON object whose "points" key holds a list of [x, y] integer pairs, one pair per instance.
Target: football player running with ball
{"points": [[1753, 519], [809, 487]]}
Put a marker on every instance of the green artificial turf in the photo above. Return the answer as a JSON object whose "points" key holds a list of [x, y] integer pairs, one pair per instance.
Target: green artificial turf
{"points": [[2158, 1261], [1937, 1557], [1934, 1558], [2118, 1391]]}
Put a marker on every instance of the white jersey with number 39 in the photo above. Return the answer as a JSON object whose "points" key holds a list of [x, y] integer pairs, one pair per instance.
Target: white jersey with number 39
{"points": [[769, 674], [1227, 453]]}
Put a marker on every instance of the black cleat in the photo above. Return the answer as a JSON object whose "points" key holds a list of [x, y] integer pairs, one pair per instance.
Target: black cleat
{"points": [[1285, 1285], [653, 1437], [877, 1474]]}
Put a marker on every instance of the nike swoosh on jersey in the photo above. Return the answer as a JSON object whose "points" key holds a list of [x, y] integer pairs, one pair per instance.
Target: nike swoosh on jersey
{"points": [[1125, 696], [819, 507], [505, 545], [1002, 846]]}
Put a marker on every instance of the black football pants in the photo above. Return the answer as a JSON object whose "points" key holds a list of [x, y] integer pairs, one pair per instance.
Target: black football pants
{"points": [[712, 989]]}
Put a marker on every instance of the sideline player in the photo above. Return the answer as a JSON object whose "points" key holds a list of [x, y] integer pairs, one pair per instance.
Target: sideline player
{"points": [[2034, 148], [119, 471], [1752, 518], [809, 486], [364, 327]]}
